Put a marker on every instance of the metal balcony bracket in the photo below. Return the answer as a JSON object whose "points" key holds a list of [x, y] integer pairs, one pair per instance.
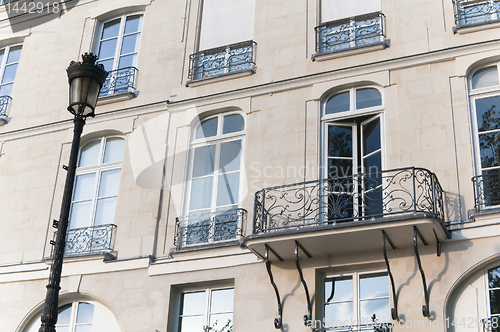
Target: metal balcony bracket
{"points": [[438, 244], [308, 317], [416, 232], [394, 311], [278, 322]]}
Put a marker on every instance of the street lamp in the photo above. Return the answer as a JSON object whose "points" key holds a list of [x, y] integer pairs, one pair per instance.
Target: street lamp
{"points": [[85, 81]]}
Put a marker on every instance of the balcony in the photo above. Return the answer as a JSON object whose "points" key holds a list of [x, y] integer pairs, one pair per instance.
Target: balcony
{"points": [[352, 35], [210, 229], [4, 107], [90, 240], [119, 85], [236, 59], [473, 13], [349, 213], [486, 190]]}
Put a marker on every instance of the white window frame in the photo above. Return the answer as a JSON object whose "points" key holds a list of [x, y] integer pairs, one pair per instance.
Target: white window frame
{"points": [[74, 312], [4, 62]]}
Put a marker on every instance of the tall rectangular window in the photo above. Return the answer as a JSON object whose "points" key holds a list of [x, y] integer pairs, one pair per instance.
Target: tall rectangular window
{"points": [[9, 60]]}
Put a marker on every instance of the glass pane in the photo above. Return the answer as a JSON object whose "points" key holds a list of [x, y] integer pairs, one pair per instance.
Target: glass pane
{"points": [[371, 136], [108, 64], [108, 186], [132, 24], [114, 150], [230, 156], [368, 98], [485, 77], [80, 215], [5, 90], [9, 73], [83, 328], [338, 314], [14, 54], [129, 44], [2, 52], [373, 286], [373, 164], [208, 128], [487, 113], [193, 303], [218, 321], [342, 290], [339, 141], [228, 189], [64, 315], [201, 193], [203, 161], [108, 48], [105, 212], [84, 187], [110, 29], [494, 277], [127, 61], [491, 187], [379, 308], [85, 313], [495, 301], [222, 300], [489, 145], [62, 329], [339, 168], [338, 103], [192, 324], [89, 154], [233, 123]]}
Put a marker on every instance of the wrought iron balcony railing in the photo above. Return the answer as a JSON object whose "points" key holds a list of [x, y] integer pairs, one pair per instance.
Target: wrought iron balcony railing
{"points": [[209, 228], [360, 197], [90, 240], [4, 105], [350, 33], [491, 324], [120, 81], [224, 60], [472, 12], [486, 190]]}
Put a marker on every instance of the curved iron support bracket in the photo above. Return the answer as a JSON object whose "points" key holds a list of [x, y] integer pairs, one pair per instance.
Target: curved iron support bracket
{"points": [[438, 244], [307, 317], [416, 232], [278, 322], [394, 311]]}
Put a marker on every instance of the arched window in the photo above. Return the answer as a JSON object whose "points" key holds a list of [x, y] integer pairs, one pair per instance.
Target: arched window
{"points": [[484, 92], [213, 193]]}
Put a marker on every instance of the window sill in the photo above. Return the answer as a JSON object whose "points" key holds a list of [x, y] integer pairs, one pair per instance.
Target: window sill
{"points": [[104, 256], [116, 97], [193, 248], [474, 213], [223, 77], [468, 28], [351, 51]]}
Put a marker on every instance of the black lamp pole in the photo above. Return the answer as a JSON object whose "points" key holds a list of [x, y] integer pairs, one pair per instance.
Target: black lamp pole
{"points": [[85, 81]]}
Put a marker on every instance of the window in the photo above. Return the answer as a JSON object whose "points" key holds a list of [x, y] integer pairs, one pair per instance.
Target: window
{"points": [[214, 180], [117, 50], [75, 317], [210, 307], [472, 12], [485, 103], [225, 41], [94, 196], [494, 299], [9, 59], [356, 302]]}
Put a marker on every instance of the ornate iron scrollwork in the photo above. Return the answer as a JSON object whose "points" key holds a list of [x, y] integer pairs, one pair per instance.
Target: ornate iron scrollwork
{"points": [[4, 105], [119, 81], [278, 322], [307, 317], [416, 232], [90, 240], [394, 311], [486, 190], [475, 12]]}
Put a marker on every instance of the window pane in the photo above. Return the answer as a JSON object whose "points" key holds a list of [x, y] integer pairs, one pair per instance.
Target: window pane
{"points": [[64, 315], [338, 314], [495, 301], [84, 187], [489, 145], [80, 215], [228, 189], [488, 113], [371, 136], [127, 61], [193, 303], [108, 64], [192, 324], [62, 329], [14, 54], [132, 24], [485, 77], [373, 164], [222, 300], [230, 154], [342, 290], [333, 9], [491, 183], [83, 328], [368, 98], [9, 73], [373, 286], [201, 193], [5, 90], [114, 150], [233, 123], [110, 180], [379, 308], [89, 154], [2, 52], [218, 321], [85, 313], [339, 168], [111, 29], [108, 48], [129, 44], [105, 212], [339, 141], [203, 161], [208, 128], [494, 278], [338, 103]]}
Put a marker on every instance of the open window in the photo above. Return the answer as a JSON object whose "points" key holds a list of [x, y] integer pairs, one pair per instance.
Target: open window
{"points": [[9, 60]]}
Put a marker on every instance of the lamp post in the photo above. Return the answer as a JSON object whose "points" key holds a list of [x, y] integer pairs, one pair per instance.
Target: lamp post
{"points": [[85, 81]]}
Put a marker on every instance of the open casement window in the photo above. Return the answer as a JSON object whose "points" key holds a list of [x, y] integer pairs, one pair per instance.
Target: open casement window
{"points": [[353, 155], [357, 302], [214, 179], [117, 48], [485, 103], [207, 308]]}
